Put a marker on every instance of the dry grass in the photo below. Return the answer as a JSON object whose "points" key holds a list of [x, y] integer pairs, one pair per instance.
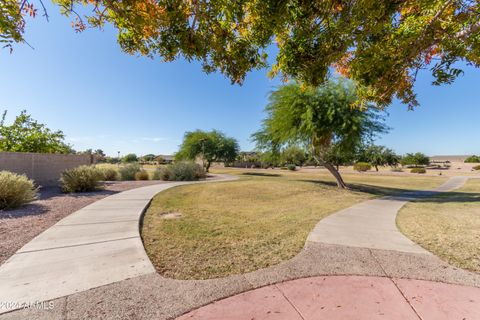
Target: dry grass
{"points": [[264, 218], [447, 225]]}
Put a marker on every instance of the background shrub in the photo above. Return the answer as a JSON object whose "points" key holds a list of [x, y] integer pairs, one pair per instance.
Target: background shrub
{"points": [[291, 167], [362, 166], [157, 174], [396, 169], [418, 170], [109, 173], [80, 179], [141, 175], [182, 171], [476, 167], [129, 171], [15, 190], [473, 159]]}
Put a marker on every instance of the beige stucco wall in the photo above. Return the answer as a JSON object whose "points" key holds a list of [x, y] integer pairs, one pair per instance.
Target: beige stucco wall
{"points": [[44, 168]]}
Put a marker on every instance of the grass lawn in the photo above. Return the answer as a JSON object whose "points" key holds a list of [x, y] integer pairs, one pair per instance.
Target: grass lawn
{"points": [[264, 218], [447, 225]]}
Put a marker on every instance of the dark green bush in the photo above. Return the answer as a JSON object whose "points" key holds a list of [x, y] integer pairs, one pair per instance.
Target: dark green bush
{"points": [[473, 159], [418, 170], [15, 190], [291, 167], [109, 174], [141, 175], [80, 179], [362, 166], [129, 171], [182, 171]]}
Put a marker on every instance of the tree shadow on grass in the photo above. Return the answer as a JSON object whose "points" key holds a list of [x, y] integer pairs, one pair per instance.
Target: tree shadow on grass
{"points": [[261, 174], [410, 194]]}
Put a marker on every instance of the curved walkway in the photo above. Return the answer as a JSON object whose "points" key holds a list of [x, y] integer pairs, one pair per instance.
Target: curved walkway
{"points": [[151, 296], [95, 246], [372, 224]]}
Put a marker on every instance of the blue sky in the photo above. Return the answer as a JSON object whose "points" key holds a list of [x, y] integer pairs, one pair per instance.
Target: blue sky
{"points": [[102, 98]]}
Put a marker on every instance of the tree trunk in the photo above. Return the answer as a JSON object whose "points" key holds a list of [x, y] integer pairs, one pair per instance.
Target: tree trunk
{"points": [[376, 168], [207, 167], [340, 183]]}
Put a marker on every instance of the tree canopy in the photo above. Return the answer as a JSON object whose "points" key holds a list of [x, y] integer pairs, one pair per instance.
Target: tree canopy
{"points": [[27, 135], [130, 158], [378, 156], [381, 44], [415, 159], [210, 146], [321, 118]]}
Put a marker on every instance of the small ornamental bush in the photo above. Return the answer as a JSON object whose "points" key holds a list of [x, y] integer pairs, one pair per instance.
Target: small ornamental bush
{"points": [[291, 167], [362, 166], [182, 171], [141, 175], [129, 171], [476, 167], [80, 179], [109, 174], [418, 170], [15, 190], [396, 169], [283, 168]]}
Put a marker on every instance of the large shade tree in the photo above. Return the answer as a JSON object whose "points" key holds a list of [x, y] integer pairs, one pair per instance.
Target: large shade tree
{"points": [[26, 134], [209, 146], [381, 44], [322, 118]]}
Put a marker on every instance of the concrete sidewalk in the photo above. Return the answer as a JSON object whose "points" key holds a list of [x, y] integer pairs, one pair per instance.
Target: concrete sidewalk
{"points": [[372, 224], [95, 246]]}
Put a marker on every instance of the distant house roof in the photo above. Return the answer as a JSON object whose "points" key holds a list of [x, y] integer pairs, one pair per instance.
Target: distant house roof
{"points": [[167, 157]]}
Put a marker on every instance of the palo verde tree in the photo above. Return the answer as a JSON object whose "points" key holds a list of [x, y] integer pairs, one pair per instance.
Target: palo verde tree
{"points": [[27, 135], [209, 146], [321, 118], [381, 44]]}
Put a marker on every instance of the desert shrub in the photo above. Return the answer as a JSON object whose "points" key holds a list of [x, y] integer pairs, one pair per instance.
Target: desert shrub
{"points": [[291, 167], [418, 170], [141, 175], [80, 179], [129, 171], [15, 190], [109, 173], [156, 174], [283, 168], [396, 169], [476, 167], [182, 171], [473, 159], [362, 166]]}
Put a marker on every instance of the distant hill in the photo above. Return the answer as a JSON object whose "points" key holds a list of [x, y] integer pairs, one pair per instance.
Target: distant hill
{"points": [[451, 158]]}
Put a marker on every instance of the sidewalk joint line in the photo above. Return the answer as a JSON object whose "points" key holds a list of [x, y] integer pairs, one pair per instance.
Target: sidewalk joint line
{"points": [[78, 245], [395, 284], [291, 303]]}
